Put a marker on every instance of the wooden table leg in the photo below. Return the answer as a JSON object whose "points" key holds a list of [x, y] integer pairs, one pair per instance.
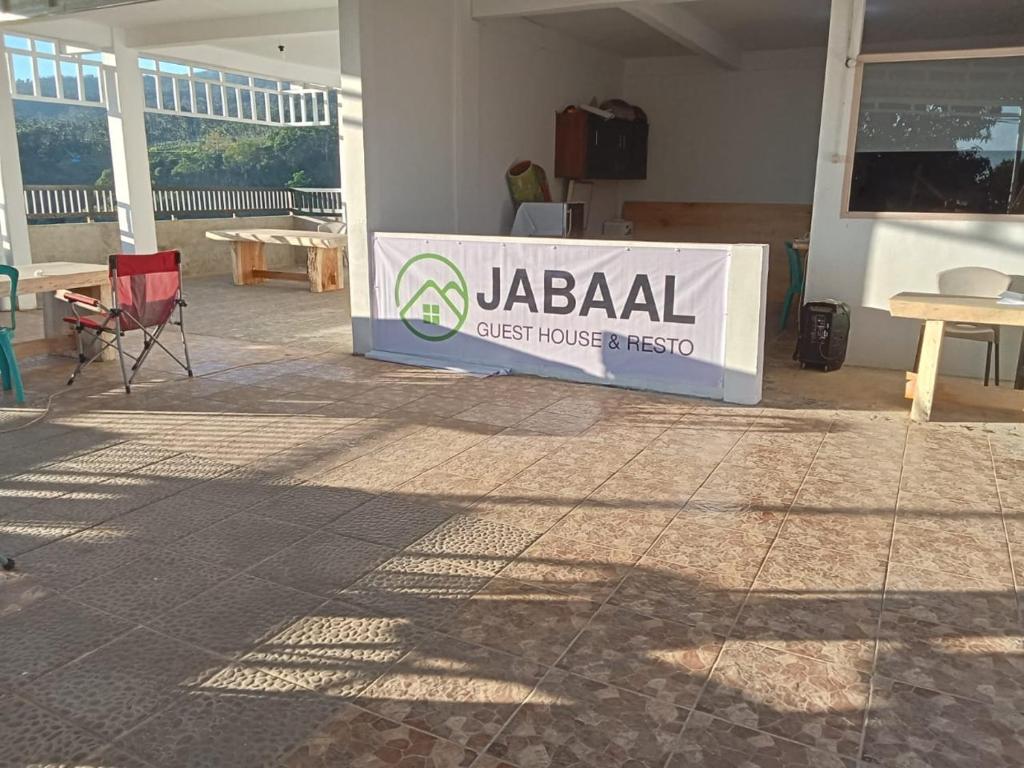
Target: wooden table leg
{"points": [[59, 334], [927, 370], [106, 297], [1019, 380], [323, 265], [246, 257]]}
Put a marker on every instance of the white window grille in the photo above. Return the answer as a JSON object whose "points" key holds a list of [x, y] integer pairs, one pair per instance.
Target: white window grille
{"points": [[50, 70], [183, 88]]}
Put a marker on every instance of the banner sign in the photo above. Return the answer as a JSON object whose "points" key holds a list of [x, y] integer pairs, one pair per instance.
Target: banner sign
{"points": [[649, 316]]}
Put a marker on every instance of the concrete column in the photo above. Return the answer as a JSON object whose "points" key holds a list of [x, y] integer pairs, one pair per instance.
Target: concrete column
{"points": [[846, 30], [353, 179], [14, 242], [126, 121]]}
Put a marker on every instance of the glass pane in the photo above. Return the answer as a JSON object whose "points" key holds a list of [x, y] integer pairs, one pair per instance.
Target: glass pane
{"points": [[202, 102], [173, 68], [91, 83], [260, 82], [217, 102], [261, 107], [941, 136], [246, 97], [21, 43], [149, 92], [69, 76], [166, 93], [22, 66], [230, 77], [206, 74], [230, 95], [184, 97], [47, 77], [45, 46], [149, 64], [93, 56]]}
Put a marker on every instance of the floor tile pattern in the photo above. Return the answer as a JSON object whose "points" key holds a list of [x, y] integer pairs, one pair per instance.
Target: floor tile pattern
{"points": [[309, 559]]}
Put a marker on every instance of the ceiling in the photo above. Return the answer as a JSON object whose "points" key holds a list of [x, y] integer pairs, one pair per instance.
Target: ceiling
{"points": [[148, 13], [745, 25], [751, 25], [611, 30], [758, 25]]}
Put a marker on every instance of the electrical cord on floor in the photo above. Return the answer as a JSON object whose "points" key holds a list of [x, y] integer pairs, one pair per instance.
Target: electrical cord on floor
{"points": [[55, 395]]}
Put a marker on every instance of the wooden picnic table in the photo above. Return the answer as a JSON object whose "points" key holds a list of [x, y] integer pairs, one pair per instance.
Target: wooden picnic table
{"points": [[936, 311], [249, 265], [87, 279]]}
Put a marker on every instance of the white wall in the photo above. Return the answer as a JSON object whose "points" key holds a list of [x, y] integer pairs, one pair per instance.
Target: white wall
{"points": [[525, 74], [408, 98], [865, 261], [435, 107], [746, 136], [451, 103]]}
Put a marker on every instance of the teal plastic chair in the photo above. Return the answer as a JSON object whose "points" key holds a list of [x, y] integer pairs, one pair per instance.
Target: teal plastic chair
{"points": [[796, 281], [8, 362]]}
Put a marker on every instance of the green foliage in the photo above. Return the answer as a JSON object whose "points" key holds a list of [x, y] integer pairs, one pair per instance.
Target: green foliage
{"points": [[62, 144]]}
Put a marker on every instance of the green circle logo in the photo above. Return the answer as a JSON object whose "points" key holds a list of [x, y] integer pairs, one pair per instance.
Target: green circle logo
{"points": [[432, 297]]}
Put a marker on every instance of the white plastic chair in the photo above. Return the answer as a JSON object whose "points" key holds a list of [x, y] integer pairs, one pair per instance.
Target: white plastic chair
{"points": [[973, 281]]}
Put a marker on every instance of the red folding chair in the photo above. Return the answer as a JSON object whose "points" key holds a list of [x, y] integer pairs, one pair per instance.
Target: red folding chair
{"points": [[146, 289]]}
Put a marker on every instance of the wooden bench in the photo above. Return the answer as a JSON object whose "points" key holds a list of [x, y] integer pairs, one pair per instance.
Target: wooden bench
{"points": [[249, 265]]}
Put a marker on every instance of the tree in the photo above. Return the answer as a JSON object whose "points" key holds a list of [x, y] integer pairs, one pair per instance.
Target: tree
{"points": [[62, 144]]}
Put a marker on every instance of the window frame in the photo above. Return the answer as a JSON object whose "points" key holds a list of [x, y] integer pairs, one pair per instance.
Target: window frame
{"points": [[851, 140]]}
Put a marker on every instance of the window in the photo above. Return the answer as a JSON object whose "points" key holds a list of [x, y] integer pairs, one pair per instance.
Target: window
{"points": [[46, 70], [940, 136], [194, 89], [432, 314]]}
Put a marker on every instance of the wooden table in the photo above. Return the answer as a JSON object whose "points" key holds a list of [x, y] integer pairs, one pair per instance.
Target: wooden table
{"points": [[936, 311], [87, 279], [249, 265]]}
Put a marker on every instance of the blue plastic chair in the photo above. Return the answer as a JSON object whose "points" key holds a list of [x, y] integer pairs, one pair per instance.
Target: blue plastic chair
{"points": [[796, 281], [8, 362]]}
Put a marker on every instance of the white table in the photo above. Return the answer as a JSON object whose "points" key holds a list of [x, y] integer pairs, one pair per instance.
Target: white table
{"points": [[249, 265], [936, 311]]}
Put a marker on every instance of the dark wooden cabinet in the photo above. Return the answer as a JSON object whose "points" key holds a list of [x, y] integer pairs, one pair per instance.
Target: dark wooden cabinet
{"points": [[590, 147]]}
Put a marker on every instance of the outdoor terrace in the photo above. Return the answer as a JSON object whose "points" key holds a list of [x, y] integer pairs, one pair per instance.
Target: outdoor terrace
{"points": [[306, 558]]}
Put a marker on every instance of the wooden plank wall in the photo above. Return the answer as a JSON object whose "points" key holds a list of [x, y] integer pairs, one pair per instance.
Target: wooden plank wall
{"points": [[772, 223]]}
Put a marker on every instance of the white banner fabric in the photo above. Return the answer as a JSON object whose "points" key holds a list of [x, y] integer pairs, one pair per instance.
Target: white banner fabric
{"points": [[648, 316]]}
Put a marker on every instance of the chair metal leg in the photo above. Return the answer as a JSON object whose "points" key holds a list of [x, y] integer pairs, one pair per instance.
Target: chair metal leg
{"points": [[184, 339], [997, 363], [988, 361], [120, 358]]}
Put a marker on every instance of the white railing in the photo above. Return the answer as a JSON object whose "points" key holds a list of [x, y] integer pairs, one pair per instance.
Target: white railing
{"points": [[47, 201], [83, 203]]}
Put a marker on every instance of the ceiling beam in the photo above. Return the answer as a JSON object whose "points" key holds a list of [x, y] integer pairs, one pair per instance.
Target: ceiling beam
{"points": [[682, 26], [232, 28], [504, 9]]}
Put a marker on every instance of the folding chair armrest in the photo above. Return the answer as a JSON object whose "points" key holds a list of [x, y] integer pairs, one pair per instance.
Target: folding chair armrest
{"points": [[77, 298]]}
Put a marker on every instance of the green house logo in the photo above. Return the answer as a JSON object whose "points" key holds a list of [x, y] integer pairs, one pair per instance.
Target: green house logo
{"points": [[432, 297]]}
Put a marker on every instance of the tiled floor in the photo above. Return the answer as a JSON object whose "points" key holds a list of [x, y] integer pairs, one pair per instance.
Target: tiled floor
{"points": [[303, 558]]}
